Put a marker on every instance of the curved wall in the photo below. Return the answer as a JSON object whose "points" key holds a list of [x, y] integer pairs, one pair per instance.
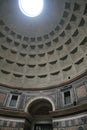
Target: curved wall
{"points": [[48, 64], [55, 57], [70, 114]]}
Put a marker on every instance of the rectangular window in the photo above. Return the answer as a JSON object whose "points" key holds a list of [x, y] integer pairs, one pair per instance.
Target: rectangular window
{"points": [[59, 124], [86, 85], [43, 127], [67, 97], [13, 101]]}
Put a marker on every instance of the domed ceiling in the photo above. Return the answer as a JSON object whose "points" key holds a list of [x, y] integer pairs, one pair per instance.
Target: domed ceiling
{"points": [[44, 51]]}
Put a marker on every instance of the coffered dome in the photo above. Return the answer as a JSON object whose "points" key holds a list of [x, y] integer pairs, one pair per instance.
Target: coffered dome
{"points": [[44, 51]]}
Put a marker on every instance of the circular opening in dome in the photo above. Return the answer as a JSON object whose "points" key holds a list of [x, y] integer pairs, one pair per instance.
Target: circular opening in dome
{"points": [[31, 8]]}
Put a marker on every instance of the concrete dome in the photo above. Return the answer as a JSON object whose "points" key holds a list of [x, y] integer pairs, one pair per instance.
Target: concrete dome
{"points": [[46, 50]]}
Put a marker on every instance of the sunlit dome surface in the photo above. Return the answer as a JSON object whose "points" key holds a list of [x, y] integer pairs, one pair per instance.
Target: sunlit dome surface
{"points": [[46, 51], [31, 8]]}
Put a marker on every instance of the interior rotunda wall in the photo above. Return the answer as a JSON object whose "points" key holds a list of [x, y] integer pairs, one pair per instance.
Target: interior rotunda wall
{"points": [[43, 60], [76, 106]]}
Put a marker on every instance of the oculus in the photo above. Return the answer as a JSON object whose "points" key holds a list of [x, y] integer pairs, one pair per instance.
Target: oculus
{"points": [[31, 8]]}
